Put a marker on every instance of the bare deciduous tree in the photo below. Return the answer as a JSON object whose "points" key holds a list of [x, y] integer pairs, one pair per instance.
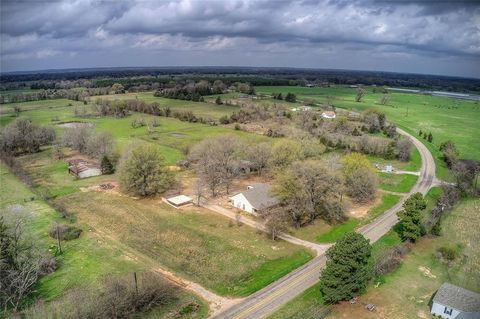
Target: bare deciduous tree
{"points": [[24, 136], [217, 161], [403, 148], [276, 220], [259, 155]]}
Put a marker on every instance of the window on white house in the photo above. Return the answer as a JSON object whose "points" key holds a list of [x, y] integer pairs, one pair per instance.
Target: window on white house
{"points": [[447, 311]]}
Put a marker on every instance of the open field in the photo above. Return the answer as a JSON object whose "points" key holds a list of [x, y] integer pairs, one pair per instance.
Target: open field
{"points": [[195, 243], [84, 260], [206, 109], [173, 136], [446, 118], [399, 183]]}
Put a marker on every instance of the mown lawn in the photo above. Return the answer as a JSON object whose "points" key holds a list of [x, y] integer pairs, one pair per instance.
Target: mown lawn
{"points": [[399, 183], [387, 201], [194, 243], [337, 231], [85, 260]]}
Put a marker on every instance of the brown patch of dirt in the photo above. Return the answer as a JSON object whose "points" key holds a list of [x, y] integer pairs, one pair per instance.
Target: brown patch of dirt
{"points": [[110, 188], [359, 210]]}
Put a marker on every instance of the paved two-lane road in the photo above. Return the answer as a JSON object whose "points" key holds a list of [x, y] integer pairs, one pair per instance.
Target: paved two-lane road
{"points": [[270, 298]]}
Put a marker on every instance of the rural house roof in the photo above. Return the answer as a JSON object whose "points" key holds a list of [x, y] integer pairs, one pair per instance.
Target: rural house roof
{"points": [[458, 298], [258, 195]]}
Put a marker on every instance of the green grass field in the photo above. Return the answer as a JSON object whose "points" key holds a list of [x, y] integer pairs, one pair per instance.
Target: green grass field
{"points": [[206, 109], [337, 231], [173, 136], [195, 243], [387, 201], [413, 165], [85, 260], [399, 183], [321, 232], [445, 118]]}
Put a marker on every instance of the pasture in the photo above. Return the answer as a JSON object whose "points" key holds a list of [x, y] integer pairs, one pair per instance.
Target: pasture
{"points": [[207, 109], [173, 136]]}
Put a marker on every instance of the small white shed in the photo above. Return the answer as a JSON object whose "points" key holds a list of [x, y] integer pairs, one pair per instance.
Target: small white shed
{"points": [[180, 200]]}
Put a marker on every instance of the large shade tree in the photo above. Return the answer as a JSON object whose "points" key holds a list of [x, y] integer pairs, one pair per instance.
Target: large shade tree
{"points": [[143, 171], [308, 190]]}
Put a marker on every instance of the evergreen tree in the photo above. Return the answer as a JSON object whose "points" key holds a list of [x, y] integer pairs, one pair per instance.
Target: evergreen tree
{"points": [[348, 269], [106, 166], [410, 226], [430, 137], [218, 100]]}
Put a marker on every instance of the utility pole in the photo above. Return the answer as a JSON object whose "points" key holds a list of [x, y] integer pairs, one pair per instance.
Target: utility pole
{"points": [[136, 284]]}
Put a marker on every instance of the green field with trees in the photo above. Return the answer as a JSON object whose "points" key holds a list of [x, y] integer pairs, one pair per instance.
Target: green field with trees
{"points": [[446, 118]]}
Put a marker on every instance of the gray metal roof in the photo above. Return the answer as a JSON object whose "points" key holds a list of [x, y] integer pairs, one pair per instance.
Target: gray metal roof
{"points": [[458, 298], [259, 196]]}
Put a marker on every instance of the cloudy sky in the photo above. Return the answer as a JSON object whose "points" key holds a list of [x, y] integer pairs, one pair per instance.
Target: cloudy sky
{"points": [[434, 37]]}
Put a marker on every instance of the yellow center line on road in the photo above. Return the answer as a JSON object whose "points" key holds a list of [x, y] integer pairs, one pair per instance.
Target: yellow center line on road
{"points": [[280, 291]]}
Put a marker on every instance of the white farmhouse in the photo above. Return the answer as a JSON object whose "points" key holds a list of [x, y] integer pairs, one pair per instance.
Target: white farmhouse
{"points": [[452, 302], [329, 115], [254, 199]]}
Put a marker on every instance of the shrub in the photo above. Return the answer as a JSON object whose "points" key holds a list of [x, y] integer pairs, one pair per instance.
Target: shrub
{"points": [[65, 232], [390, 259], [448, 253], [46, 265], [224, 120], [437, 228]]}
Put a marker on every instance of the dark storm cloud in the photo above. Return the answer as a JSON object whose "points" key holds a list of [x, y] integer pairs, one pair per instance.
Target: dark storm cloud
{"points": [[77, 30]]}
